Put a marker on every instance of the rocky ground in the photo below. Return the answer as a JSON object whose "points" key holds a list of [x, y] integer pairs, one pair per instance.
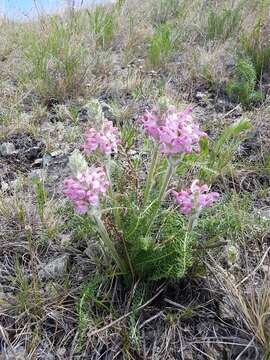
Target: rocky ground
{"points": [[56, 300]]}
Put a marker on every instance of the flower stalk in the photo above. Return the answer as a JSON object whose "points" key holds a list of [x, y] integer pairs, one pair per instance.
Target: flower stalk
{"points": [[115, 208], [108, 242], [166, 181], [151, 174], [163, 190]]}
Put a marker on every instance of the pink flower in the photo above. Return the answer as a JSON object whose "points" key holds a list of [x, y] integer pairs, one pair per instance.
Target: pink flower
{"points": [[175, 131], [105, 141], [86, 188], [195, 198], [152, 121]]}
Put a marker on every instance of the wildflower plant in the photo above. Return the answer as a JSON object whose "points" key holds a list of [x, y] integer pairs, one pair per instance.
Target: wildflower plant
{"points": [[150, 238]]}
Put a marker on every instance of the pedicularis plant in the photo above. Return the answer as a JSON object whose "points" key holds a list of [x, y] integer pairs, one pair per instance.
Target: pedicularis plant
{"points": [[145, 225]]}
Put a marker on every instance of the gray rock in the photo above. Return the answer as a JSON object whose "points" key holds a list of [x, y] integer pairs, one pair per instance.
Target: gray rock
{"points": [[55, 268], [201, 96], [4, 186], [7, 149], [264, 214], [38, 162], [266, 269], [46, 159], [56, 153]]}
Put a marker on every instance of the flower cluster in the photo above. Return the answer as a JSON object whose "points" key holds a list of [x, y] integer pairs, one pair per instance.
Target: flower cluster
{"points": [[195, 198], [86, 188], [106, 140], [176, 131]]}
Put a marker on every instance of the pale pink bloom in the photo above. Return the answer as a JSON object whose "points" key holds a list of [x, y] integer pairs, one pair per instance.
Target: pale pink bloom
{"points": [[106, 140], [195, 198], [175, 131], [91, 141], [85, 189], [152, 121]]}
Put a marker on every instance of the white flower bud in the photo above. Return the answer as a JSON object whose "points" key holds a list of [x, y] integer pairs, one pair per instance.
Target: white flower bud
{"points": [[232, 253], [77, 163], [95, 111]]}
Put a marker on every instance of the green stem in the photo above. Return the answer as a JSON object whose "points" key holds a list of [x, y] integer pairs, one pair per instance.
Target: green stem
{"points": [[162, 192], [166, 181], [115, 208], [191, 224], [150, 175], [108, 243]]}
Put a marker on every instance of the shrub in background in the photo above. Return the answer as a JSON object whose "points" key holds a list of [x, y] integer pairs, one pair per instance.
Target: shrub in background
{"points": [[103, 24], [55, 60], [164, 10], [216, 160], [223, 24], [160, 45], [255, 43], [243, 87]]}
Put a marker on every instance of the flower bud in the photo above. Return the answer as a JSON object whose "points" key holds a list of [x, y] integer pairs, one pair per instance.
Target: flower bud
{"points": [[95, 111], [232, 253], [77, 163]]}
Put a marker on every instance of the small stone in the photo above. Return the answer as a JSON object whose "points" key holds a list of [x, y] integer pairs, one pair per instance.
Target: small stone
{"points": [[264, 214], [56, 153], [4, 186], [38, 162], [7, 149], [47, 158], [266, 269], [55, 268], [200, 96]]}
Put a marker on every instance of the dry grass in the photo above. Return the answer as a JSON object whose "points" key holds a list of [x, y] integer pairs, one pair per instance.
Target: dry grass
{"points": [[86, 313]]}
